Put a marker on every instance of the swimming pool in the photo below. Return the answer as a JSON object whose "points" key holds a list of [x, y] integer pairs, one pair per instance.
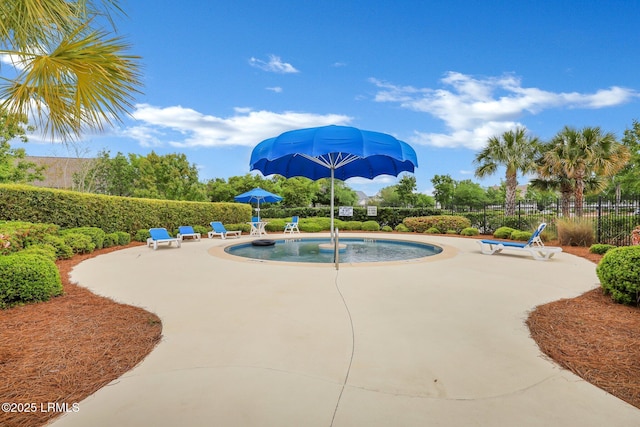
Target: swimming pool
{"points": [[357, 250]]}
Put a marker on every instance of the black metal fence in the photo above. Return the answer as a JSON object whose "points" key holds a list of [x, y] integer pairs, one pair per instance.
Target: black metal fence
{"points": [[613, 220]]}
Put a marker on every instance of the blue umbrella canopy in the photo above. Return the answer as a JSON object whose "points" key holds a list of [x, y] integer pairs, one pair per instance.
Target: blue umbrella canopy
{"points": [[258, 195], [333, 152]]}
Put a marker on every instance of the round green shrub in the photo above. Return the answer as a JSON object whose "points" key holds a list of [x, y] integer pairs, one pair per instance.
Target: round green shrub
{"points": [[441, 222], [402, 228], [244, 227], [309, 227], [370, 226], [503, 232], [432, 230], [43, 249], [197, 228], [352, 225], [80, 243], [96, 234], [27, 277], [110, 240], [469, 231], [275, 225], [63, 251], [600, 248], [619, 274], [387, 228], [521, 235], [141, 235]]}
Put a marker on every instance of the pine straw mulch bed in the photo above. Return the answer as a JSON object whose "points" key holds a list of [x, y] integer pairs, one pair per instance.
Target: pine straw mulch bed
{"points": [[66, 349], [593, 337]]}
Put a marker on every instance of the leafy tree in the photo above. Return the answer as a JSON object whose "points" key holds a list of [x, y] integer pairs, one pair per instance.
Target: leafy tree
{"points": [[443, 189], [496, 195], [106, 175], [158, 177], [627, 181], [298, 192], [516, 151], [13, 167], [424, 201], [578, 159], [543, 198], [170, 176], [247, 182], [343, 195], [469, 194], [68, 65], [219, 190], [405, 190], [388, 196]]}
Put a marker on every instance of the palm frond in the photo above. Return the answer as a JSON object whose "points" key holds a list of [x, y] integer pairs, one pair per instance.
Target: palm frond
{"points": [[85, 82]]}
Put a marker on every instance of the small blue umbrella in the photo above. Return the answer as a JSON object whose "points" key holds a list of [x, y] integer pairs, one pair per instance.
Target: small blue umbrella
{"points": [[333, 152], [257, 195]]}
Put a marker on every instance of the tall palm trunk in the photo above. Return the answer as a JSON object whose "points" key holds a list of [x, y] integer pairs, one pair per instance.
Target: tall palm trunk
{"points": [[566, 191], [510, 202], [579, 193]]}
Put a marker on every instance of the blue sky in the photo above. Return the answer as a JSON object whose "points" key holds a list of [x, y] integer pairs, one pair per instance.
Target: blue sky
{"points": [[221, 76]]}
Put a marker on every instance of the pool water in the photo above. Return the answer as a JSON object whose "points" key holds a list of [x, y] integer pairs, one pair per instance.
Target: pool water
{"points": [[357, 250]]}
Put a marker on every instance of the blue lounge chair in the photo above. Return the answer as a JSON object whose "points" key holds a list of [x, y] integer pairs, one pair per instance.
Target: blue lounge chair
{"points": [[292, 227], [533, 247], [187, 231], [219, 230], [161, 235]]}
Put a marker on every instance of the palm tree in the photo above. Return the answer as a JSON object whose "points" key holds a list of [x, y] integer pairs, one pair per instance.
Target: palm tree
{"points": [[516, 151], [71, 75], [579, 156]]}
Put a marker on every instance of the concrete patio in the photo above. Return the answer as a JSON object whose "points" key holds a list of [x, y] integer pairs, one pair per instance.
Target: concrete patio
{"points": [[435, 342]]}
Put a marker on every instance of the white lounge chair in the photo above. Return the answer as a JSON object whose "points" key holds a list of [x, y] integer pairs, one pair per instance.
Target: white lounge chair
{"points": [[533, 247], [161, 235], [292, 227], [187, 231], [219, 230]]}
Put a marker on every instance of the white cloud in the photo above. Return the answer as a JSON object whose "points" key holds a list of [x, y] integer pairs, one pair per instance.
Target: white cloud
{"points": [[276, 89], [474, 109], [273, 65], [185, 127]]}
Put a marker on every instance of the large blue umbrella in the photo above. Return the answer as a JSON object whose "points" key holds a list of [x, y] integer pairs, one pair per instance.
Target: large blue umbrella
{"points": [[333, 152], [258, 195]]}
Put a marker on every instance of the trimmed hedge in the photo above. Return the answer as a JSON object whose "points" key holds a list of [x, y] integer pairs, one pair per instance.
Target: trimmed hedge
{"points": [[619, 274], [521, 235], [600, 248], [27, 277], [386, 215], [70, 209], [21, 234], [79, 243], [441, 222], [370, 226], [503, 233], [96, 234], [44, 249], [63, 251], [470, 231]]}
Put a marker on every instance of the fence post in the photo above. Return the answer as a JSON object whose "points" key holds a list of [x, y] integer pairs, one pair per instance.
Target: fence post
{"points": [[519, 216], [484, 218], [599, 221]]}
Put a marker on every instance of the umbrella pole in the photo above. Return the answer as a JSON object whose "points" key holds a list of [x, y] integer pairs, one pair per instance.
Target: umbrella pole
{"points": [[332, 173]]}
